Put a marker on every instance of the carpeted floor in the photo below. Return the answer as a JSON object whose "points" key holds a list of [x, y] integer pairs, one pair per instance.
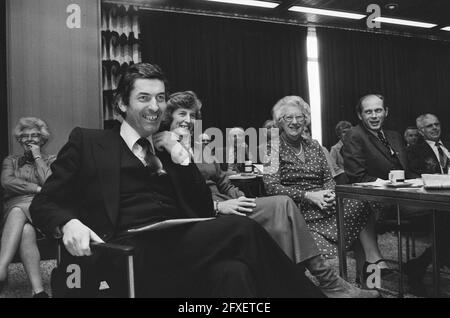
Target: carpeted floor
{"points": [[19, 287]]}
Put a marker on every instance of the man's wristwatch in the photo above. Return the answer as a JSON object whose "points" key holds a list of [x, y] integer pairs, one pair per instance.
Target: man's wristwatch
{"points": [[216, 207]]}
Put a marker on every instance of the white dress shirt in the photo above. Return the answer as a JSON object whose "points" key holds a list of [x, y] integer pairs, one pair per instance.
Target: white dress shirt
{"points": [[178, 153], [130, 136]]}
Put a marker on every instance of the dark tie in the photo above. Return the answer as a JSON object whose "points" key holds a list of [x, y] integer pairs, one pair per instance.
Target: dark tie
{"points": [[443, 159], [385, 142], [153, 163]]}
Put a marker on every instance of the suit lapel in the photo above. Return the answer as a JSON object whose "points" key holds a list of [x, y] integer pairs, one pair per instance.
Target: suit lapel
{"points": [[397, 146], [379, 145], [106, 150]]}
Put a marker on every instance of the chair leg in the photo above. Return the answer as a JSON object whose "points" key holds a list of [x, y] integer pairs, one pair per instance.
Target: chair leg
{"points": [[407, 237]]}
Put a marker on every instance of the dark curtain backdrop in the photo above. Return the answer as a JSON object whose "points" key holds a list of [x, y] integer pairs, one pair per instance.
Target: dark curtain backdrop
{"points": [[3, 102], [412, 74], [238, 68]]}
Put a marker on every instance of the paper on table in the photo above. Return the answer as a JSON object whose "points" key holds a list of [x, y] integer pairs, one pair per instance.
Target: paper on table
{"points": [[376, 183], [166, 224], [436, 181]]}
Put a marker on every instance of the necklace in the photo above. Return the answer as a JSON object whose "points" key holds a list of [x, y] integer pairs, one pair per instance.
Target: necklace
{"points": [[296, 147]]}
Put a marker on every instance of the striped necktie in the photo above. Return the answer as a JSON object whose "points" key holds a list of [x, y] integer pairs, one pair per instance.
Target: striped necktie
{"points": [[443, 159], [153, 163], [385, 142]]}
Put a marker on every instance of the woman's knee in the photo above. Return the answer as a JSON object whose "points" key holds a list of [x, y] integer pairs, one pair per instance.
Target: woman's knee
{"points": [[17, 214], [28, 233]]}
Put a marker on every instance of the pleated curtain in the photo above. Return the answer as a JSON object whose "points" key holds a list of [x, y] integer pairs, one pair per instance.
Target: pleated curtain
{"points": [[120, 48]]}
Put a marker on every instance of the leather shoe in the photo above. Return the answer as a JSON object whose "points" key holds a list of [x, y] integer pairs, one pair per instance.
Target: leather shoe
{"points": [[41, 294]]}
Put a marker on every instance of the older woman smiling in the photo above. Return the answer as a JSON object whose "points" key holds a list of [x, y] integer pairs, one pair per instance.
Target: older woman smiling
{"points": [[303, 174], [22, 177]]}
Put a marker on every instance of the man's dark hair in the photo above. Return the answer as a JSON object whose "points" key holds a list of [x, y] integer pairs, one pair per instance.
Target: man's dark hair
{"points": [[361, 100], [186, 100], [129, 77]]}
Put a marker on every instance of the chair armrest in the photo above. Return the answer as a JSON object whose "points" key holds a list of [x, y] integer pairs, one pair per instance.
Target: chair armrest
{"points": [[123, 250]]}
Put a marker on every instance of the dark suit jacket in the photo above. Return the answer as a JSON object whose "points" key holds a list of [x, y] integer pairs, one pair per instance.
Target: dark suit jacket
{"points": [[365, 156], [422, 159], [85, 185]]}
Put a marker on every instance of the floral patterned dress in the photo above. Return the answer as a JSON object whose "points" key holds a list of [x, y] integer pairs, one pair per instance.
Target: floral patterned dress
{"points": [[294, 174]]}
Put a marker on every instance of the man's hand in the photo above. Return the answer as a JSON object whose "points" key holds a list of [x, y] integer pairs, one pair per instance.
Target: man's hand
{"points": [[324, 199], [184, 136], [77, 237], [168, 140], [165, 140], [239, 206]]}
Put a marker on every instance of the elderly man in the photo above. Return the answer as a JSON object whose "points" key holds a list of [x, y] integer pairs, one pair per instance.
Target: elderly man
{"points": [[429, 156], [411, 136]]}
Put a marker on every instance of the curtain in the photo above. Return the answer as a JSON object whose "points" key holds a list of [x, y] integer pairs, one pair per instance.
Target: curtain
{"points": [[120, 48], [4, 133], [238, 68], [412, 74]]}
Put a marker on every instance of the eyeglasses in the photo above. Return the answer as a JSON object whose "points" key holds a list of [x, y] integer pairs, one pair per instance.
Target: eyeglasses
{"points": [[29, 136], [290, 119]]}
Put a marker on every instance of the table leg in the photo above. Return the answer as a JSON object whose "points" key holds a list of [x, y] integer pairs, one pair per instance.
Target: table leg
{"points": [[341, 238], [436, 270], [400, 254]]}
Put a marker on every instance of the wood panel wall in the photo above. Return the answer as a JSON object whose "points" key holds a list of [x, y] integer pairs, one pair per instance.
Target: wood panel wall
{"points": [[54, 72]]}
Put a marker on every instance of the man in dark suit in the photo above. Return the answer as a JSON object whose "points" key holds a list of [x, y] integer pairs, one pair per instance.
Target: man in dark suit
{"points": [[429, 156], [107, 182], [370, 151]]}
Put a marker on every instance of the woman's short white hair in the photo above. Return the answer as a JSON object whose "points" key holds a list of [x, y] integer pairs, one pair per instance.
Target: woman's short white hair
{"points": [[30, 123], [279, 110]]}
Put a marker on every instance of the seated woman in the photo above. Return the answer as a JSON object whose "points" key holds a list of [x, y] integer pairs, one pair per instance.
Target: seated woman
{"points": [[278, 214], [22, 177], [302, 173]]}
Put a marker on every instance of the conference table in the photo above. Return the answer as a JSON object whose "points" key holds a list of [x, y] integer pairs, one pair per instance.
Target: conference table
{"points": [[438, 201]]}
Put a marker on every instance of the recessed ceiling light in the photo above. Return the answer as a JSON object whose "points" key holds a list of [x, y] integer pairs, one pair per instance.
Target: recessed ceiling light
{"points": [[391, 6], [405, 22], [446, 28], [332, 13], [254, 3]]}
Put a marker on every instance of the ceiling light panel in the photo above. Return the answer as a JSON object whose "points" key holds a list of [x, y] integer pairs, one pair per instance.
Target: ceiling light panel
{"points": [[340, 14]]}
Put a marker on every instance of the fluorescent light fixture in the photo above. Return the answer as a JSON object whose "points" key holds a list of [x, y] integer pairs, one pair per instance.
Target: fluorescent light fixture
{"points": [[254, 3], [446, 28], [314, 85], [332, 13], [405, 22]]}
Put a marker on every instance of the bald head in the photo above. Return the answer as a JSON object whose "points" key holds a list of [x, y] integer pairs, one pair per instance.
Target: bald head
{"points": [[372, 111]]}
